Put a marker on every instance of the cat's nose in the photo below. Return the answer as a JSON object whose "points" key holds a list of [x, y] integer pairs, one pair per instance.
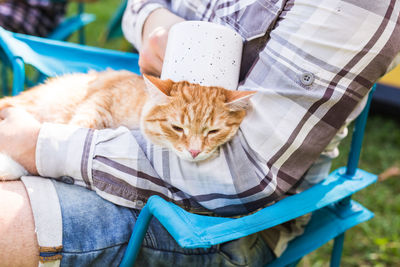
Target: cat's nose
{"points": [[194, 152]]}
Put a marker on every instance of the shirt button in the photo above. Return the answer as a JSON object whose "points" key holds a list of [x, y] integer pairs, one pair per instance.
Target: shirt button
{"points": [[139, 203], [307, 78], [67, 179]]}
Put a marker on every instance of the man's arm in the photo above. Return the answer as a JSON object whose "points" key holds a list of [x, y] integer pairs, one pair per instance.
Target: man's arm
{"points": [[135, 16], [155, 36], [311, 76], [291, 122], [146, 25], [18, 134], [124, 169]]}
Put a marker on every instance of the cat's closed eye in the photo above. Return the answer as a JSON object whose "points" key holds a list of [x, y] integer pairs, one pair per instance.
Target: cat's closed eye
{"points": [[177, 128], [214, 131]]}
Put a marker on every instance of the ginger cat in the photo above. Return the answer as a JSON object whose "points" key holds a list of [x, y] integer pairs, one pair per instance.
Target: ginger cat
{"points": [[190, 119]]}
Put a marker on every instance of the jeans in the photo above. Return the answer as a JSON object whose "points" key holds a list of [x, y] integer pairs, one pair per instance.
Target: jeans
{"points": [[96, 232]]}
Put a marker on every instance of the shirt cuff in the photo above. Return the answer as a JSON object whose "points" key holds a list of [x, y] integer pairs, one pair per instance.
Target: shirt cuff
{"points": [[132, 25], [63, 150]]}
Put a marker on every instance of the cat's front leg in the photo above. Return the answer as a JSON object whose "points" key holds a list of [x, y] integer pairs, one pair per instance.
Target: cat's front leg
{"points": [[87, 122], [92, 113]]}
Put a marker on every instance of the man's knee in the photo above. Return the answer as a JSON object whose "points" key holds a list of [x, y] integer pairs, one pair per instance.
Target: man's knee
{"points": [[18, 243]]}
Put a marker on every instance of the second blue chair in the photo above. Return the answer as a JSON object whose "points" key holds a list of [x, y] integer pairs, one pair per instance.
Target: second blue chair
{"points": [[63, 31]]}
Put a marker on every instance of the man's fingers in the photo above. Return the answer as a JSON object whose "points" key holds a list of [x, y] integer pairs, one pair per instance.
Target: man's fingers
{"points": [[150, 65], [163, 46], [158, 41]]}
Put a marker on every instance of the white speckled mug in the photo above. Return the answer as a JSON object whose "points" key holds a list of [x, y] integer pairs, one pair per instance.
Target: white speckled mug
{"points": [[204, 53]]}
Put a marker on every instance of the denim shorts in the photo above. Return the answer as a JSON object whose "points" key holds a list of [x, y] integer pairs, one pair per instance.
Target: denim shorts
{"points": [[95, 232]]}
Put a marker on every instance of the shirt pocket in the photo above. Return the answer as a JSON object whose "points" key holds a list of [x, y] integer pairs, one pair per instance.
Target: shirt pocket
{"points": [[251, 19]]}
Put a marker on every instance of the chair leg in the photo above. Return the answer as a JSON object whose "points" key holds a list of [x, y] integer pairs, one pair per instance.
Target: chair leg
{"points": [[4, 79], [137, 237], [81, 9], [18, 76], [337, 250], [4, 64]]}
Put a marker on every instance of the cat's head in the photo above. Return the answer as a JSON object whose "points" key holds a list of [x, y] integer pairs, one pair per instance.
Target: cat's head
{"points": [[191, 119]]}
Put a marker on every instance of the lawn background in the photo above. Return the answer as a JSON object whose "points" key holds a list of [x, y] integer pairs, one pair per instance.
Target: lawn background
{"points": [[374, 243]]}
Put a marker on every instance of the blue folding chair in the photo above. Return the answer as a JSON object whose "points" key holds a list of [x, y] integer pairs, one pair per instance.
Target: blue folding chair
{"points": [[333, 210]]}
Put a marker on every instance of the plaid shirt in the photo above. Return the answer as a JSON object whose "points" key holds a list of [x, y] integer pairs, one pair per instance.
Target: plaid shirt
{"points": [[313, 62], [34, 17]]}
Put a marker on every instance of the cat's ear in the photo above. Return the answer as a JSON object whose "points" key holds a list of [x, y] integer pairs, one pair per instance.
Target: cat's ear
{"points": [[238, 100], [156, 87]]}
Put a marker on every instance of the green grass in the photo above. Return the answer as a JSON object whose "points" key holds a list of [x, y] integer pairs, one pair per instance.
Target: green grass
{"points": [[374, 243]]}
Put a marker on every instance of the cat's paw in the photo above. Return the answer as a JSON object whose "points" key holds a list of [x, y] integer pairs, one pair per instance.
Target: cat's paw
{"points": [[10, 169]]}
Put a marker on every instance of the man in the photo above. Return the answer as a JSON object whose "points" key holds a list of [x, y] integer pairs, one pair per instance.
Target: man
{"points": [[33, 17], [312, 62]]}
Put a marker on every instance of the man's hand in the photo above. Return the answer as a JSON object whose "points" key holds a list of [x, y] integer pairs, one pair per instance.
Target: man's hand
{"points": [[18, 136], [154, 40]]}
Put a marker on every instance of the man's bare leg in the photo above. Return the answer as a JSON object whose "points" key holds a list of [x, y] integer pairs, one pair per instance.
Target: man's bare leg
{"points": [[18, 243]]}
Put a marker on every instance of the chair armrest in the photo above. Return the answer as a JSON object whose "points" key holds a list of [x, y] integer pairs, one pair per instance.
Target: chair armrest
{"points": [[8, 44], [193, 231]]}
